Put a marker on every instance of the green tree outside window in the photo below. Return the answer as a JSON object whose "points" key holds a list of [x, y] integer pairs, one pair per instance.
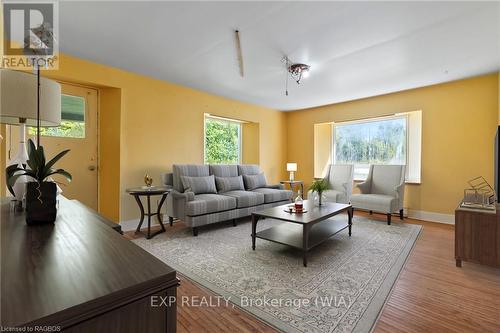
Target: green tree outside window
{"points": [[222, 141], [72, 119], [371, 142]]}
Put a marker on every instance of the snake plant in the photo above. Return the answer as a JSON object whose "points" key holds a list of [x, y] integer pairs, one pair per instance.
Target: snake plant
{"points": [[36, 168]]}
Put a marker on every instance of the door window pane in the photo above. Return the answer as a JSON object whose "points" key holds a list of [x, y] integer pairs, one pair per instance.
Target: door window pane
{"points": [[72, 119]]}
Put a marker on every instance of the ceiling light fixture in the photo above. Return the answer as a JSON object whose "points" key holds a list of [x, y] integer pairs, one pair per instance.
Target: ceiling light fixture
{"points": [[296, 71]]}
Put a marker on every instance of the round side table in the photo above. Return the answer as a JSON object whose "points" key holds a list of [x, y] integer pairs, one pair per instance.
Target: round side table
{"points": [[144, 191], [292, 184]]}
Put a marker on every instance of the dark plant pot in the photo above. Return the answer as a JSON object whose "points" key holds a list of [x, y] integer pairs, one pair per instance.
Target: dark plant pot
{"points": [[41, 203]]}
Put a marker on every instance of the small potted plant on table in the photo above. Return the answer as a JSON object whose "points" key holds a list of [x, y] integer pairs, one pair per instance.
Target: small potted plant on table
{"points": [[41, 204], [319, 186]]}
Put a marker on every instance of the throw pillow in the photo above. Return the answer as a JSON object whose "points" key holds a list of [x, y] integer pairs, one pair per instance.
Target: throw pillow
{"points": [[255, 181], [199, 185], [226, 184]]}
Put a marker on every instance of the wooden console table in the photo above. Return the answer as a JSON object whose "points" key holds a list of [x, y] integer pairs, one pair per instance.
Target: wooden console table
{"points": [[477, 237], [80, 275]]}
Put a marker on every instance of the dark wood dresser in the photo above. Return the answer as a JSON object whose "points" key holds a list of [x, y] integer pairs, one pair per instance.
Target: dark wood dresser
{"points": [[80, 275], [477, 237]]}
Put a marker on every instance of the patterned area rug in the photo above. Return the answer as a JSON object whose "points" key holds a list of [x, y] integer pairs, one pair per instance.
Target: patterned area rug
{"points": [[343, 289]]}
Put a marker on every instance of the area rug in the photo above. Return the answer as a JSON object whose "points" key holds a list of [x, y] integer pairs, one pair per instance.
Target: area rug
{"points": [[343, 289]]}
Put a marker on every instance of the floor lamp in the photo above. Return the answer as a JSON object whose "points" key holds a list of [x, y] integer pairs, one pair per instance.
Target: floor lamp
{"points": [[20, 105]]}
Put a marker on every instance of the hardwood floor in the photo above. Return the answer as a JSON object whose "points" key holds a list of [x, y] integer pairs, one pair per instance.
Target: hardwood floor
{"points": [[430, 295]]}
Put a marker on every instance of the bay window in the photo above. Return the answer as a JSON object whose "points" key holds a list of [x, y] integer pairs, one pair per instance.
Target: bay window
{"points": [[383, 140]]}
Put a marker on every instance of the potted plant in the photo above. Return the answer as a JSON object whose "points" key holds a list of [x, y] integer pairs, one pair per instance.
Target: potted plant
{"points": [[319, 186], [41, 193]]}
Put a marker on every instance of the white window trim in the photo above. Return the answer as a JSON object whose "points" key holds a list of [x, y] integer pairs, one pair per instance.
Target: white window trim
{"points": [[413, 149], [222, 119]]}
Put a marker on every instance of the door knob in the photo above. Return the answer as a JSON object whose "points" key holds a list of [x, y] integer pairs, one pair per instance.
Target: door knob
{"points": [[92, 167]]}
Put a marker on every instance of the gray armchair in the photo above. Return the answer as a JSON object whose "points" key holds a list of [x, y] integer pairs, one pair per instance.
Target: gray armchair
{"points": [[339, 178], [383, 190]]}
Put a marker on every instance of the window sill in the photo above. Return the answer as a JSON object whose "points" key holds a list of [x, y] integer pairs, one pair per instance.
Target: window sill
{"points": [[409, 182]]}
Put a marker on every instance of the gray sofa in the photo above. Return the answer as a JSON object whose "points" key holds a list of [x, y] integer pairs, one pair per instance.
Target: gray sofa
{"points": [[239, 191]]}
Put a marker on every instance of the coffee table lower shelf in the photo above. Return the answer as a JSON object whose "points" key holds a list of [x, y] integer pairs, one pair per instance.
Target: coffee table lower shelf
{"points": [[292, 234]]}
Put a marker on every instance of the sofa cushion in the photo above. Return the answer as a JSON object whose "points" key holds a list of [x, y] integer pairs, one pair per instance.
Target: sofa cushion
{"points": [[249, 169], [209, 203], [199, 185], [255, 181], [246, 198], [191, 170], [376, 202], [225, 184], [224, 170], [273, 195]]}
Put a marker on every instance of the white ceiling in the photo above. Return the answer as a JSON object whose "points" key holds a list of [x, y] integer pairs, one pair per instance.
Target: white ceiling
{"points": [[355, 49]]}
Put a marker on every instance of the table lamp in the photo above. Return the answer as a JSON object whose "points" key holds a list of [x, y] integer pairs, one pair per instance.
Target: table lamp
{"points": [[291, 167], [19, 106]]}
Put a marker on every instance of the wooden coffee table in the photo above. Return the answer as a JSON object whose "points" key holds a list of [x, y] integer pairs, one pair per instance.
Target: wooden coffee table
{"points": [[304, 231]]}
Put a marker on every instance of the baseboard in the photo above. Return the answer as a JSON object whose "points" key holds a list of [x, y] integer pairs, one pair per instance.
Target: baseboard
{"points": [[130, 225], [431, 216]]}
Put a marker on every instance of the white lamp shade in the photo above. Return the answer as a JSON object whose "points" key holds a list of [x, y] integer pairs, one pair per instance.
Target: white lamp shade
{"points": [[18, 99], [291, 167]]}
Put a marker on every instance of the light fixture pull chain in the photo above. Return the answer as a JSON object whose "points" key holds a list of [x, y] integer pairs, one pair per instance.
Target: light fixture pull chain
{"points": [[285, 59], [286, 83]]}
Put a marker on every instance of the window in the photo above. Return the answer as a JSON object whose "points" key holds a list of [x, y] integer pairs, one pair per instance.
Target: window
{"points": [[385, 140], [222, 141], [72, 119], [380, 141]]}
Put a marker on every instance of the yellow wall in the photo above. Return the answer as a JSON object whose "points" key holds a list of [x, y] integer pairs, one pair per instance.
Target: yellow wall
{"points": [[162, 123], [250, 143], [458, 127]]}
